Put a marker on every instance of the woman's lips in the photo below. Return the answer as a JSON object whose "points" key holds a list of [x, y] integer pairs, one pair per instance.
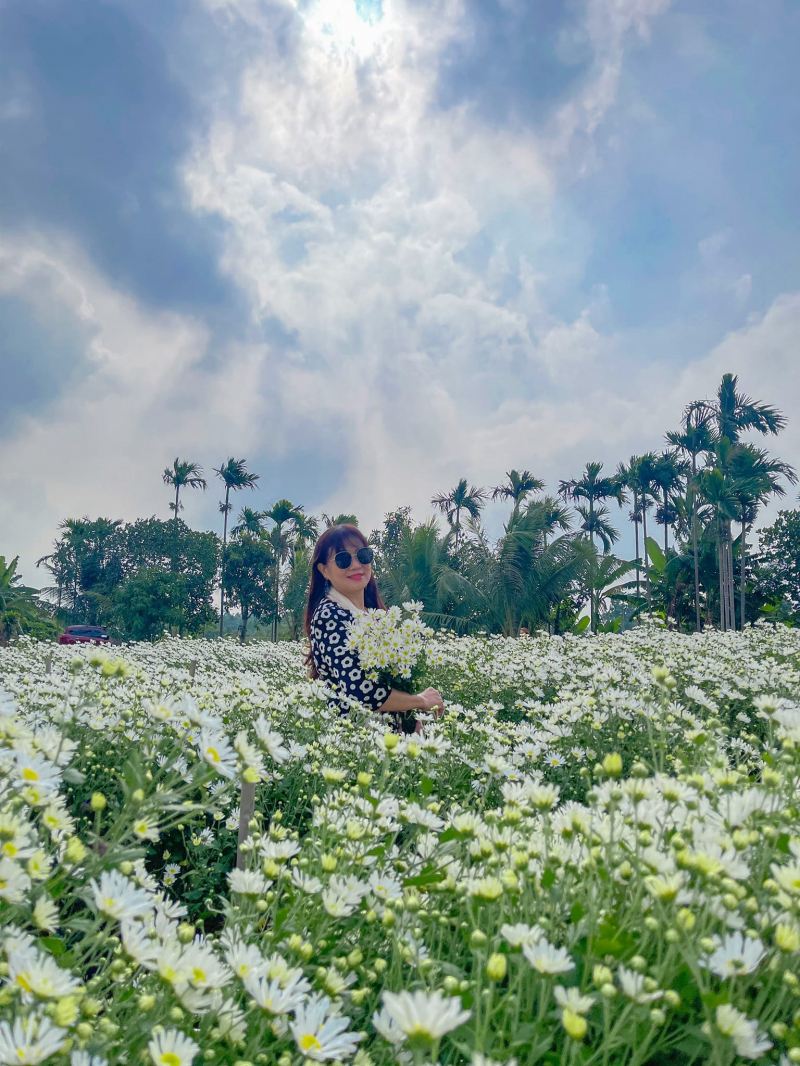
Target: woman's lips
{"points": [[354, 577]]}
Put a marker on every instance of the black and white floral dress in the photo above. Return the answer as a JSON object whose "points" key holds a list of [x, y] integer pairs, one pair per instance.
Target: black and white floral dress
{"points": [[337, 665]]}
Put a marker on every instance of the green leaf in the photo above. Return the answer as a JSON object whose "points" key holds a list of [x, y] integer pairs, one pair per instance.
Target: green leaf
{"points": [[429, 876], [54, 944], [426, 786], [577, 912], [133, 771], [657, 558]]}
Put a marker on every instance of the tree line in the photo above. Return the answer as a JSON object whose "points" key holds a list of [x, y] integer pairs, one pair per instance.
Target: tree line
{"points": [[553, 567]]}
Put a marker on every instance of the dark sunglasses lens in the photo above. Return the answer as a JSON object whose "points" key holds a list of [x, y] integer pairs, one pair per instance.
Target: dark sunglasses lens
{"points": [[364, 556]]}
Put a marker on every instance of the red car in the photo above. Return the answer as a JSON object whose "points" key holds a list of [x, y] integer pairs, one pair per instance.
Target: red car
{"points": [[84, 635]]}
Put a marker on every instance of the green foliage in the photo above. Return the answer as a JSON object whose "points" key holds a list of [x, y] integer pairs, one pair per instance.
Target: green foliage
{"points": [[247, 579], [778, 565], [20, 612], [150, 602]]}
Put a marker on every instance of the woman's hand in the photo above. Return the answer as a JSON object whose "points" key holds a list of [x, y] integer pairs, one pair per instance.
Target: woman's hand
{"points": [[433, 701]]}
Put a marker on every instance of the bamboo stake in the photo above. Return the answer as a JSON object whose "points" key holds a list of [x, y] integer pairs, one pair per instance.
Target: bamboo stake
{"points": [[247, 806]]}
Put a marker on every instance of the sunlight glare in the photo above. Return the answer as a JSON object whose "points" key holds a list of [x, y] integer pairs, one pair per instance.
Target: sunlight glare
{"points": [[347, 25]]}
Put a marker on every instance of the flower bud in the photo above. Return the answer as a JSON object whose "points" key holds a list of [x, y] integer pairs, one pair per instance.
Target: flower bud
{"points": [[612, 764], [185, 933], [574, 1024]]}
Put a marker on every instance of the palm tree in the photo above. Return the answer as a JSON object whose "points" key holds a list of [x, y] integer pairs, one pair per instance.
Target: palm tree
{"points": [[717, 488], [602, 576], [419, 569], [281, 513], [235, 476], [641, 478], [596, 524], [628, 477], [733, 413], [530, 576], [694, 438], [250, 521], [17, 602], [668, 474], [183, 474], [518, 486], [755, 478], [523, 578], [339, 520], [461, 498], [593, 488], [555, 516], [305, 529]]}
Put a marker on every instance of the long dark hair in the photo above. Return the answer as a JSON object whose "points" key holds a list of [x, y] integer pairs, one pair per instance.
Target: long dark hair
{"points": [[332, 541]]}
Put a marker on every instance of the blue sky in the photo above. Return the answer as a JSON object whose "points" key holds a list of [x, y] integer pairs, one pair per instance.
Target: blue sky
{"points": [[377, 245]]}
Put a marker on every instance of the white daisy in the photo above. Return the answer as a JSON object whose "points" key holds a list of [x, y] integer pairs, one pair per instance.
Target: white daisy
{"points": [[30, 1040], [172, 1048], [321, 1035], [117, 897], [424, 1016], [742, 1031], [735, 955], [545, 958]]}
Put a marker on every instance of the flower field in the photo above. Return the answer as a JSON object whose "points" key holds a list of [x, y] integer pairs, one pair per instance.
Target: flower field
{"points": [[592, 858]]}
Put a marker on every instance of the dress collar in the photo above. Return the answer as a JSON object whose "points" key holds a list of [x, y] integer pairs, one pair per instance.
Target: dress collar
{"points": [[343, 601]]}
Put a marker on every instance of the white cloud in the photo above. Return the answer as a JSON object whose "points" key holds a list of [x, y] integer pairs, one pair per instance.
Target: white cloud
{"points": [[101, 446], [609, 26]]}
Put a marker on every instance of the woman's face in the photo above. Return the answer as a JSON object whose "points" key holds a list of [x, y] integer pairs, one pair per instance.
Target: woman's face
{"points": [[355, 577]]}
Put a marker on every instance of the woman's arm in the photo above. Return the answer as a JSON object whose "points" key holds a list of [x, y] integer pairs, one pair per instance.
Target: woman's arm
{"points": [[398, 700]]}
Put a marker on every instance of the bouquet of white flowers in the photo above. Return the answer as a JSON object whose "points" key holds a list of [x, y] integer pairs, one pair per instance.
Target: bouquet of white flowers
{"points": [[391, 645]]}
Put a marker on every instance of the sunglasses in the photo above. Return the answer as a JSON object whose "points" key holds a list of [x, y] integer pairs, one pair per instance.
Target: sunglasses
{"points": [[364, 555]]}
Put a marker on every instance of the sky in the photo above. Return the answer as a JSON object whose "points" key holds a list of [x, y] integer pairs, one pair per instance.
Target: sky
{"points": [[374, 246]]}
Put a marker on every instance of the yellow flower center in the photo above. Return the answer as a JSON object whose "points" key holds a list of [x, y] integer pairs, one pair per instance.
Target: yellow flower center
{"points": [[419, 1031], [24, 983], [29, 774], [213, 754], [309, 1042], [10, 849], [169, 1058], [198, 975]]}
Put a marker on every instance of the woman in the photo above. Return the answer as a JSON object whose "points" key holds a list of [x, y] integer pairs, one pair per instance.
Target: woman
{"points": [[341, 586]]}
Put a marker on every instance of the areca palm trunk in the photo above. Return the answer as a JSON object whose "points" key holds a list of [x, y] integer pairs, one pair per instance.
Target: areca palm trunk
{"points": [[694, 546], [222, 568], [666, 524], [175, 531], [644, 534], [636, 535], [592, 619], [727, 607], [731, 585], [723, 612], [742, 569]]}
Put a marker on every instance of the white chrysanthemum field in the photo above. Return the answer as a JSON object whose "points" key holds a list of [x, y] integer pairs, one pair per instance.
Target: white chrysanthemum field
{"points": [[593, 858]]}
